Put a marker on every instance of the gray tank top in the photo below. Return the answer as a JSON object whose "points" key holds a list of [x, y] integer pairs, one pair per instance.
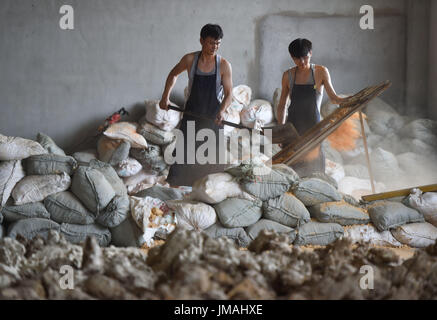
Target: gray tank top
{"points": [[194, 70], [311, 80]]}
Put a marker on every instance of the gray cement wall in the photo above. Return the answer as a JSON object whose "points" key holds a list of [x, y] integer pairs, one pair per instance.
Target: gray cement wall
{"points": [[432, 87], [418, 33], [355, 58], [64, 83]]}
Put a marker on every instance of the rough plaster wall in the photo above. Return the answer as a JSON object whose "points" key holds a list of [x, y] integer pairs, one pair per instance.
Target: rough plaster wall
{"points": [[64, 83], [432, 87], [356, 58], [416, 94]]}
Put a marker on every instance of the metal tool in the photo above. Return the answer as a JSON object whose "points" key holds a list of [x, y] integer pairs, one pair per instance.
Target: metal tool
{"points": [[285, 133]]}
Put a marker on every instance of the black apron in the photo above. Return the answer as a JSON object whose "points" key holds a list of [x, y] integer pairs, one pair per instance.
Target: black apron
{"points": [[304, 114], [202, 100]]}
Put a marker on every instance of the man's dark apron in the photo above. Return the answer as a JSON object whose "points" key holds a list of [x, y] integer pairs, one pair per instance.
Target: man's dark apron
{"points": [[202, 100], [304, 114]]}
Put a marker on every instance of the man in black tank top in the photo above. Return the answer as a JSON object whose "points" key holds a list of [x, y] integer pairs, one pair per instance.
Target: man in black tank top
{"points": [[210, 94], [304, 85]]}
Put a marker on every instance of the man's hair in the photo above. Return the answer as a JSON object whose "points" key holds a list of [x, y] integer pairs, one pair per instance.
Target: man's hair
{"points": [[211, 30], [300, 47]]}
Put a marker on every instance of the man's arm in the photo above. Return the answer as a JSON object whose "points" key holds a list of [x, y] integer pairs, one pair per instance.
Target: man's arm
{"points": [[227, 90], [171, 80], [282, 101], [329, 88]]}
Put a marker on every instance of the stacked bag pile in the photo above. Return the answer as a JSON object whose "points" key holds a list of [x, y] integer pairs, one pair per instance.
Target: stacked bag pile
{"points": [[250, 197], [241, 202], [403, 152], [43, 189]]}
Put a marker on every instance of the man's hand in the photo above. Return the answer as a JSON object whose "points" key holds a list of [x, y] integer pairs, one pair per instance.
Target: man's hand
{"points": [[163, 104], [220, 117], [346, 101]]}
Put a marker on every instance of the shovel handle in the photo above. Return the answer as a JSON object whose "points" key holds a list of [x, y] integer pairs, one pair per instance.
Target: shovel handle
{"points": [[231, 124]]}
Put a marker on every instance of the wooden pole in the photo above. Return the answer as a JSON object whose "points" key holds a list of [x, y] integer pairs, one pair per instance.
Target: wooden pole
{"points": [[369, 167], [398, 193]]}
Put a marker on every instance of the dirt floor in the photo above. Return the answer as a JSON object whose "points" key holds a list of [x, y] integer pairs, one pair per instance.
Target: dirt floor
{"points": [[191, 265]]}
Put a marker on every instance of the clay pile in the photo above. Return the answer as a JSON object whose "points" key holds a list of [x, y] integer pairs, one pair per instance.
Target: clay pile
{"points": [[191, 265]]}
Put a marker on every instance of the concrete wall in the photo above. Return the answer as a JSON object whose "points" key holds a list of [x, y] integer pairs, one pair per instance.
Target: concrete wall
{"points": [[418, 33], [432, 84], [352, 64], [64, 83]]}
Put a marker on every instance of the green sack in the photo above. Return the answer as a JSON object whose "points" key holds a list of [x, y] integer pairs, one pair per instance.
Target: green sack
{"points": [[25, 211], [111, 175], [287, 210], [30, 228], [316, 233], [217, 230], [76, 233], [339, 212], [270, 225], [47, 143], [324, 177], [312, 191], [236, 212], [154, 134], [92, 189], [127, 234], [275, 182], [388, 214], [115, 213], [350, 199], [85, 156], [50, 164], [162, 193], [150, 158], [65, 207]]}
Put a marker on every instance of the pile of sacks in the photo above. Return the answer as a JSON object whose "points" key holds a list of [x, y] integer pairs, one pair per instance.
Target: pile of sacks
{"points": [[43, 189], [402, 152], [242, 201], [136, 149]]}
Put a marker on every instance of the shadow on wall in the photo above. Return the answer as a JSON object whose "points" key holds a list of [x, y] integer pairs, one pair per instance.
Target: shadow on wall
{"points": [[86, 136]]}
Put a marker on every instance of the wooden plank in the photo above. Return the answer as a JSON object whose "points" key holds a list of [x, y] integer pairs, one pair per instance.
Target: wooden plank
{"points": [[314, 136], [397, 193], [369, 167]]}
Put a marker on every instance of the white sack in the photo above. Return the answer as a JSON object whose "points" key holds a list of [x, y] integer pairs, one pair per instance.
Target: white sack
{"points": [[142, 180], [10, 173], [16, 148], [425, 203], [126, 131], [193, 215], [369, 234], [37, 188], [216, 187], [242, 94], [128, 167], [257, 114], [152, 215], [417, 235], [166, 120], [334, 170], [233, 116]]}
